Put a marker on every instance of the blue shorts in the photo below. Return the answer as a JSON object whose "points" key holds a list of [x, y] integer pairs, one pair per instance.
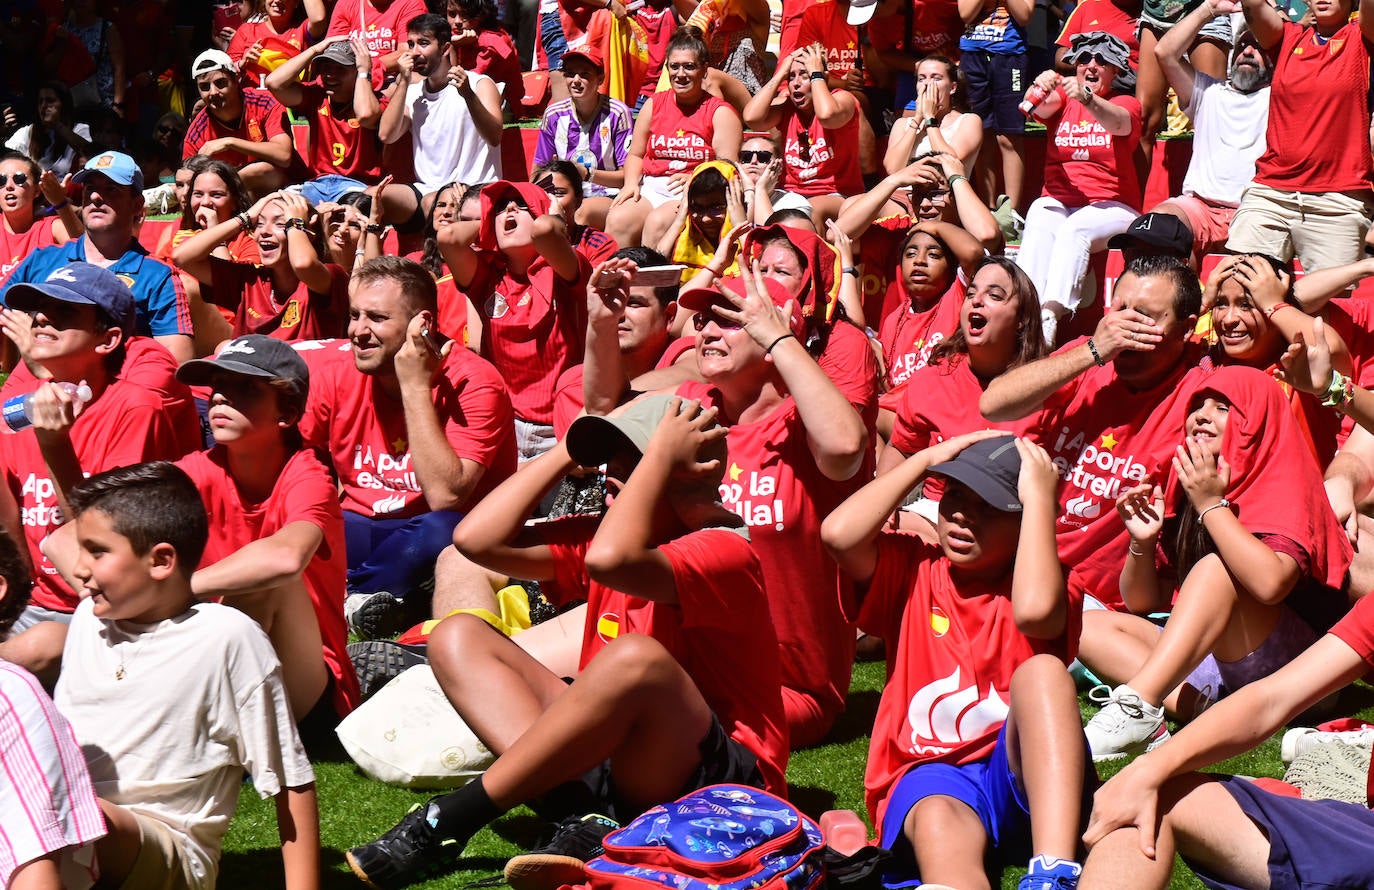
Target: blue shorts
{"points": [[987, 787], [1313, 844], [330, 187], [995, 85]]}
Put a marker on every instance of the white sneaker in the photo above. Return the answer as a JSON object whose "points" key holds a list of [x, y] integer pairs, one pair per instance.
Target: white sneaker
{"points": [[1126, 725], [1301, 739]]}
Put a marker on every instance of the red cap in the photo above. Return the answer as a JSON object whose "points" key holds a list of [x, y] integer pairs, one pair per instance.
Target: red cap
{"points": [[702, 299]]}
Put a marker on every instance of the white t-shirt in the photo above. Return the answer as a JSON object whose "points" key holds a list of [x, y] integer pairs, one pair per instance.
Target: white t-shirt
{"points": [[59, 163], [200, 701], [448, 147], [1228, 137]]}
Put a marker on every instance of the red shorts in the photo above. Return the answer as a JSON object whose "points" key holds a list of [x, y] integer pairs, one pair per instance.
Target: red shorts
{"points": [[1210, 222]]}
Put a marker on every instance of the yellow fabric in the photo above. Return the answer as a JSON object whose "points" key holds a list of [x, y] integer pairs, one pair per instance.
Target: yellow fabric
{"points": [[627, 58], [514, 605], [692, 248]]}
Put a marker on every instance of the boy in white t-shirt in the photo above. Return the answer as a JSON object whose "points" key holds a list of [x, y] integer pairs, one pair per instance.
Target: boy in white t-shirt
{"points": [[171, 699]]}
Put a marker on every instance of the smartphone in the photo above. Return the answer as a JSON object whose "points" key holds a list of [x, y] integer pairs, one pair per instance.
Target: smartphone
{"points": [[657, 276], [230, 15], [434, 340]]}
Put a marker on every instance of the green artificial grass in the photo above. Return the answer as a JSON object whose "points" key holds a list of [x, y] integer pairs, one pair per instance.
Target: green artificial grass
{"points": [[355, 809]]}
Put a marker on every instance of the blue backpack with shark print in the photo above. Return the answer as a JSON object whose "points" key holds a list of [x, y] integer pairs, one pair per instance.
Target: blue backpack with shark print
{"points": [[722, 837]]}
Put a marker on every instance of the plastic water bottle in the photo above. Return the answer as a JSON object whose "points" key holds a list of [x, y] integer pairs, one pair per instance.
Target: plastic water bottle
{"points": [[18, 412], [844, 831], [1034, 96]]}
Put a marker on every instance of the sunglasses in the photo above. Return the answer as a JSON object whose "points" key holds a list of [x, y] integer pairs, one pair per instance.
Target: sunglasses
{"points": [[20, 179], [1085, 58], [760, 156], [702, 319]]}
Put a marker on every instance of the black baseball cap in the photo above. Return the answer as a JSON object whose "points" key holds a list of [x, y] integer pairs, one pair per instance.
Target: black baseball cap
{"points": [[251, 355], [990, 468], [1157, 233]]}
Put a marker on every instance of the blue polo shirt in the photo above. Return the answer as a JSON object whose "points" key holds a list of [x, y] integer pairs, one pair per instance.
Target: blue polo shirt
{"points": [[160, 301]]}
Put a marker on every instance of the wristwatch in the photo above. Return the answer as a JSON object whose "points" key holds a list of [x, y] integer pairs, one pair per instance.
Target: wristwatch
{"points": [[928, 123]]}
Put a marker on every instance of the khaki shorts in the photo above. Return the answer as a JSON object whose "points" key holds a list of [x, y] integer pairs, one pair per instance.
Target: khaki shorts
{"points": [[1323, 230], [161, 863]]}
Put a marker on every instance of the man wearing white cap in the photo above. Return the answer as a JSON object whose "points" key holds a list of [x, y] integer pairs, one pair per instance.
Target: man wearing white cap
{"points": [[243, 127]]}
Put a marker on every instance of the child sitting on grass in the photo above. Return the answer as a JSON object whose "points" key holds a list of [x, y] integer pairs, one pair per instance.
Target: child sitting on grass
{"points": [[171, 699], [679, 686], [977, 742]]}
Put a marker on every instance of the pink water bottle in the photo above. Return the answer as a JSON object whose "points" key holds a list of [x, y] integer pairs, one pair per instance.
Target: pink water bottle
{"points": [[1034, 96], [844, 831]]}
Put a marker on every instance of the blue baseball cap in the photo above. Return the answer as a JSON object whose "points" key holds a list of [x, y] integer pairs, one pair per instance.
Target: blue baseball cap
{"points": [[80, 283], [115, 166]]}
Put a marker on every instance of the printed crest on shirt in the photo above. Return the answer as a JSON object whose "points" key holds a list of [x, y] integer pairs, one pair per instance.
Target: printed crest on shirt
{"points": [[944, 713], [752, 495], [1098, 468]]}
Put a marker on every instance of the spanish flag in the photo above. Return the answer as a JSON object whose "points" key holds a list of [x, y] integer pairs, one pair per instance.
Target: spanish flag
{"points": [[275, 50], [625, 47]]}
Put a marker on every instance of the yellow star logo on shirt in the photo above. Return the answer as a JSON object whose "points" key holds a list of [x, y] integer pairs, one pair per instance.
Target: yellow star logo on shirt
{"points": [[849, 45], [398, 445], [681, 133], [1108, 441], [734, 472]]}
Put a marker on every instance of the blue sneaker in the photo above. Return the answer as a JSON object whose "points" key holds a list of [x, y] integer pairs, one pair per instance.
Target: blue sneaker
{"points": [[1048, 873]]}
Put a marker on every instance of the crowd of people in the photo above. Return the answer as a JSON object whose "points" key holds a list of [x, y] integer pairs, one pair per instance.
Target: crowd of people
{"points": [[763, 360]]}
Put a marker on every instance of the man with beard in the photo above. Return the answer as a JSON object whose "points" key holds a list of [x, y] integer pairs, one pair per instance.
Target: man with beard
{"points": [[453, 116], [245, 128], [1229, 120]]}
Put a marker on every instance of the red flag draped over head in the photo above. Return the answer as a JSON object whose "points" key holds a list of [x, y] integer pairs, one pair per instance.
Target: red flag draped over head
{"points": [[821, 293], [1276, 485], [494, 198]]}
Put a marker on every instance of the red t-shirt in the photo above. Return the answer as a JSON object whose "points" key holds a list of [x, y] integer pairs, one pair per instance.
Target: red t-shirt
{"points": [[568, 400], [595, 246], [824, 22], [1353, 319], [1102, 15], [818, 161], [680, 140], [879, 260], [339, 145], [773, 483], [1356, 629], [383, 31], [125, 425], [908, 335], [1104, 437], [363, 430], [1318, 134], [494, 55], [304, 492], [288, 44], [533, 330], [263, 118], [1084, 163], [305, 315], [848, 360], [719, 630], [935, 29], [952, 648], [14, 249], [939, 401], [453, 311]]}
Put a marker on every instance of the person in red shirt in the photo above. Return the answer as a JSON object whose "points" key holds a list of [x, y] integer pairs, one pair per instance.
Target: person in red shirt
{"points": [[679, 674], [480, 44], [22, 231], [285, 291], [273, 29], [820, 132], [417, 429], [976, 746], [796, 449], [1313, 197], [1098, 15], [81, 314], [342, 111], [246, 128], [276, 547], [675, 130], [999, 329], [1113, 405], [522, 274], [1091, 192]]}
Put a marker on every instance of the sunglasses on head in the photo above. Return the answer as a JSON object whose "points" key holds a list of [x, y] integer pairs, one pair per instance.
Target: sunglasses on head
{"points": [[758, 156], [702, 319], [20, 179]]}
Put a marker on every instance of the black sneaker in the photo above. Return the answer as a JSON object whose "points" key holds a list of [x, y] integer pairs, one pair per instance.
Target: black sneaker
{"points": [[378, 662], [408, 853], [561, 860], [374, 616]]}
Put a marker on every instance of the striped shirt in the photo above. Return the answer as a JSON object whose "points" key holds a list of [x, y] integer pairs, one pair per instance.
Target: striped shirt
{"points": [[47, 803], [602, 144]]}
